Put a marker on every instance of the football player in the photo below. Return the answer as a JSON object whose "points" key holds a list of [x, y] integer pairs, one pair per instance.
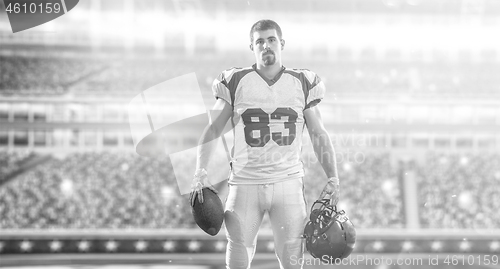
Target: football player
{"points": [[268, 105]]}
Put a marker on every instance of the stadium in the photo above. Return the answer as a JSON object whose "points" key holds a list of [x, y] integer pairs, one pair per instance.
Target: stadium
{"points": [[412, 106]]}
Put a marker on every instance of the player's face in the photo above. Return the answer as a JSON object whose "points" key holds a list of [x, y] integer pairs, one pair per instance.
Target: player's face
{"points": [[267, 47]]}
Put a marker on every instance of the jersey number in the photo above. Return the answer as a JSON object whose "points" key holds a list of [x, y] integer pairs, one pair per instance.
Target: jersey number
{"points": [[262, 126]]}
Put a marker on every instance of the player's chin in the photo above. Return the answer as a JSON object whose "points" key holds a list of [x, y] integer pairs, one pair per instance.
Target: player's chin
{"points": [[269, 61]]}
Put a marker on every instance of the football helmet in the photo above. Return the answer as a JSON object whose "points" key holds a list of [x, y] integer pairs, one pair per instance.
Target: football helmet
{"points": [[329, 232]]}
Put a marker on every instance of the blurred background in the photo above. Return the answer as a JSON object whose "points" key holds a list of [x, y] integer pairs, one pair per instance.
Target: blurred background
{"points": [[412, 105]]}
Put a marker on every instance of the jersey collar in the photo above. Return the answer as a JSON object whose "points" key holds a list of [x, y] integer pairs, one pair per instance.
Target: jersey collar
{"points": [[270, 82]]}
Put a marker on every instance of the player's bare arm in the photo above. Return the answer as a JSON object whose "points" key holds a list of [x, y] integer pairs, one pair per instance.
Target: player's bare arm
{"points": [[220, 114], [324, 150]]}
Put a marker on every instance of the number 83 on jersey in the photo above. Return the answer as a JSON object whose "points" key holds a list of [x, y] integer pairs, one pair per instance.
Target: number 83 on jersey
{"points": [[258, 125]]}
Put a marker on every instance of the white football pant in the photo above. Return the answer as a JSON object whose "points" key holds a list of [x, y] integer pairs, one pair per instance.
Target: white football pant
{"points": [[245, 208]]}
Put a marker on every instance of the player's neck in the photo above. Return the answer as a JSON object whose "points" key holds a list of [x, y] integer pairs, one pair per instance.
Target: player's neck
{"points": [[269, 71]]}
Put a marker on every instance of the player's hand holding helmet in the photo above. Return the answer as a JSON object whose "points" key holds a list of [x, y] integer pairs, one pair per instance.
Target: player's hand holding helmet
{"points": [[329, 233], [200, 181], [331, 191]]}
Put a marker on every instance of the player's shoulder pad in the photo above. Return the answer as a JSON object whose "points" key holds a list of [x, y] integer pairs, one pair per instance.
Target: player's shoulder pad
{"points": [[312, 86], [226, 83], [228, 74], [308, 74]]}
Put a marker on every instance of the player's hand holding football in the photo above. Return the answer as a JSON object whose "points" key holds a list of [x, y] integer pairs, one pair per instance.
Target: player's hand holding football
{"points": [[200, 181], [331, 191]]}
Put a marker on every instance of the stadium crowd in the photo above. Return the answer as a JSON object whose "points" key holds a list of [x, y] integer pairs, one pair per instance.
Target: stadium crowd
{"points": [[43, 76], [111, 190], [369, 194], [123, 190], [11, 162], [95, 190], [459, 191]]}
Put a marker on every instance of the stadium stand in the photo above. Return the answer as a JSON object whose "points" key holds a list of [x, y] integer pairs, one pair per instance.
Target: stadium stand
{"points": [[10, 162], [135, 75], [370, 192], [95, 190], [352, 77], [110, 190], [419, 7], [55, 76], [459, 191], [43, 76], [211, 8], [412, 78], [128, 76]]}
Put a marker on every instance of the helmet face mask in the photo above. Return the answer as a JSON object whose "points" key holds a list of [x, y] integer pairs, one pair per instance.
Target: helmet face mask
{"points": [[329, 232]]}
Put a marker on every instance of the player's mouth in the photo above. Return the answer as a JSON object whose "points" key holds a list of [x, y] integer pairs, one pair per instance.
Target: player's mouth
{"points": [[267, 52]]}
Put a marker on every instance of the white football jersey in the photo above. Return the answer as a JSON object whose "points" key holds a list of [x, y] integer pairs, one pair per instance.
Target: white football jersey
{"points": [[269, 121]]}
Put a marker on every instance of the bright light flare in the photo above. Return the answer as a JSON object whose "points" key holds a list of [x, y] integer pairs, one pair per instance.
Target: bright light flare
{"points": [[67, 187]]}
